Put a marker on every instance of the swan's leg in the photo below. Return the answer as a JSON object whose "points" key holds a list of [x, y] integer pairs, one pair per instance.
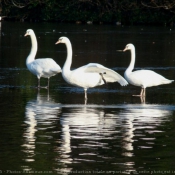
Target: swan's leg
{"points": [[142, 93], [48, 94], [48, 83], [43, 86], [38, 82], [85, 101], [85, 94], [142, 98]]}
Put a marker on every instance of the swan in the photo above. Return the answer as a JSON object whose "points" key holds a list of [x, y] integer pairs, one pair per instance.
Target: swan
{"points": [[142, 78], [87, 76], [43, 67]]}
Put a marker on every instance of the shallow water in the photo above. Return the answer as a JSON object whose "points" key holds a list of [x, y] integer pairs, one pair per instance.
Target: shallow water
{"points": [[54, 132]]}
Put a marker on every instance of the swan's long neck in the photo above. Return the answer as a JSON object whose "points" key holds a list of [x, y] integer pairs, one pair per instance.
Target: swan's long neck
{"points": [[68, 62], [34, 47], [131, 65]]}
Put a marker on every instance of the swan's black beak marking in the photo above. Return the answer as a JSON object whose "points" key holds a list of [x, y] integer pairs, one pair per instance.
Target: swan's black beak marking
{"points": [[101, 74]]}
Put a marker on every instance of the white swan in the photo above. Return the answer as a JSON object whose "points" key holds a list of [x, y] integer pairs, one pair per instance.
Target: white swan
{"points": [[87, 76], [43, 67], [143, 78]]}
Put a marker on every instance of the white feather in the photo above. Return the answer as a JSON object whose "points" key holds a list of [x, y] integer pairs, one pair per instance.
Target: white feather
{"points": [[87, 76], [43, 67], [142, 78]]}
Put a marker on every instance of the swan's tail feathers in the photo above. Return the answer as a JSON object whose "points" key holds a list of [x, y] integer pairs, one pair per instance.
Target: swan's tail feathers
{"points": [[168, 81], [165, 81]]}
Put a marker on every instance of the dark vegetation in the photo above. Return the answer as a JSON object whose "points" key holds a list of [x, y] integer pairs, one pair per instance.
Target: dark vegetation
{"points": [[127, 12]]}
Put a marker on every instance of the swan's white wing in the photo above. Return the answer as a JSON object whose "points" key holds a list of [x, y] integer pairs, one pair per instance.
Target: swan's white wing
{"points": [[46, 67], [147, 78], [108, 74]]}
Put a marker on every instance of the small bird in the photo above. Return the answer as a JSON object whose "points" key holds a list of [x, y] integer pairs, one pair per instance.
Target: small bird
{"points": [[88, 76], [142, 78], [42, 67]]}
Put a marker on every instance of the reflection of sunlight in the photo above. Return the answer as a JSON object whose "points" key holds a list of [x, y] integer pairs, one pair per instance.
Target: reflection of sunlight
{"points": [[92, 127], [40, 111], [30, 134], [88, 129], [64, 151], [146, 118], [65, 146], [84, 121], [88, 132], [78, 123], [128, 137]]}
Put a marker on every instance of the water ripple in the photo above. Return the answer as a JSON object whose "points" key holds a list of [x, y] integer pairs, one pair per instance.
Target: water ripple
{"points": [[92, 133]]}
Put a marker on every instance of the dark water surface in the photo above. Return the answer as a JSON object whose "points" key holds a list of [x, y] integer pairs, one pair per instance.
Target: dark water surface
{"points": [[54, 132]]}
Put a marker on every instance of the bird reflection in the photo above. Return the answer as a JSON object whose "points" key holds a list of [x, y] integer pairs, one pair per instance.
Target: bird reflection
{"points": [[128, 135], [75, 124], [87, 130], [141, 117], [39, 114], [88, 133]]}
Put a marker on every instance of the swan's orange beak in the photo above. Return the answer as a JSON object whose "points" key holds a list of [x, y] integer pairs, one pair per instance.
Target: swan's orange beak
{"points": [[125, 49], [26, 34], [57, 42]]}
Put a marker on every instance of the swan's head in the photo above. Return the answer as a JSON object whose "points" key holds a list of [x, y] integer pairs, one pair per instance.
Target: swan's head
{"points": [[129, 47], [62, 39], [29, 32]]}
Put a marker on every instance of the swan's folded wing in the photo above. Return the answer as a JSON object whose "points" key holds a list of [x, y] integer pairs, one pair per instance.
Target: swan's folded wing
{"points": [[108, 74], [48, 65]]}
